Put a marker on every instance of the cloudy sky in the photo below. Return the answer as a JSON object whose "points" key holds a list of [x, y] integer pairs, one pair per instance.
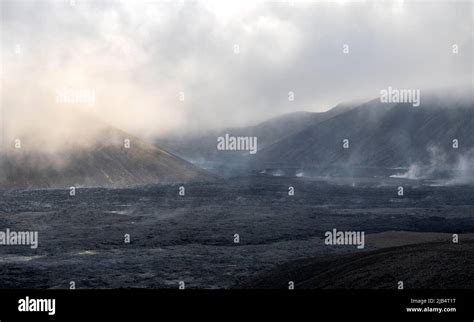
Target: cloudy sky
{"points": [[156, 66]]}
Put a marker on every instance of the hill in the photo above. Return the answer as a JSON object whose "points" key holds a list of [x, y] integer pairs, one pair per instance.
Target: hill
{"points": [[103, 159]]}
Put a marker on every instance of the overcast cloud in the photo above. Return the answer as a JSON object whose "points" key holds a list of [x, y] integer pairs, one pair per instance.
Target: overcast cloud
{"points": [[137, 56]]}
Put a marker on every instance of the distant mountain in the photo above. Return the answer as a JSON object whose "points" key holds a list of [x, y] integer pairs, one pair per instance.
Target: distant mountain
{"points": [[102, 161], [380, 135], [201, 148]]}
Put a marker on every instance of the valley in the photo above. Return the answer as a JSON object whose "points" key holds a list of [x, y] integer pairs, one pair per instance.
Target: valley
{"points": [[191, 238]]}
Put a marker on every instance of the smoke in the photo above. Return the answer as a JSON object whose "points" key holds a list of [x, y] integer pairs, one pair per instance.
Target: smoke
{"points": [[414, 172], [464, 170], [439, 167], [151, 68]]}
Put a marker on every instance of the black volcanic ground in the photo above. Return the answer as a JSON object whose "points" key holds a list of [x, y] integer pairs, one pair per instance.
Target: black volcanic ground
{"points": [[433, 265], [191, 238]]}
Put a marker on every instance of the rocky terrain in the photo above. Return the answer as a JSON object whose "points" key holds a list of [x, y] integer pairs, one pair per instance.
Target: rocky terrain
{"points": [[191, 238], [434, 265]]}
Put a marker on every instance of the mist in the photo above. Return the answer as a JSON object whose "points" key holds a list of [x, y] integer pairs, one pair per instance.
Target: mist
{"points": [[441, 169], [154, 68]]}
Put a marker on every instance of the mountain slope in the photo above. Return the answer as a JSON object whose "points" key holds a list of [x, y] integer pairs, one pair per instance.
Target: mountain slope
{"points": [[101, 161], [433, 265], [380, 135], [201, 148]]}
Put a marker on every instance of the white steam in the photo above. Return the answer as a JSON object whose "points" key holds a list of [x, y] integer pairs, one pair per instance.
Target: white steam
{"points": [[439, 167]]}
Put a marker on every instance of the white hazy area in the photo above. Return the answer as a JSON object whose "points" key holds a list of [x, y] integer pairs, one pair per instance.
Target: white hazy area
{"points": [[157, 67]]}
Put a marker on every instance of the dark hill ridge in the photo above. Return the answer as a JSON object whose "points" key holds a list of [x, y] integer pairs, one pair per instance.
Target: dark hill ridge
{"points": [[103, 162], [438, 265], [380, 135]]}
